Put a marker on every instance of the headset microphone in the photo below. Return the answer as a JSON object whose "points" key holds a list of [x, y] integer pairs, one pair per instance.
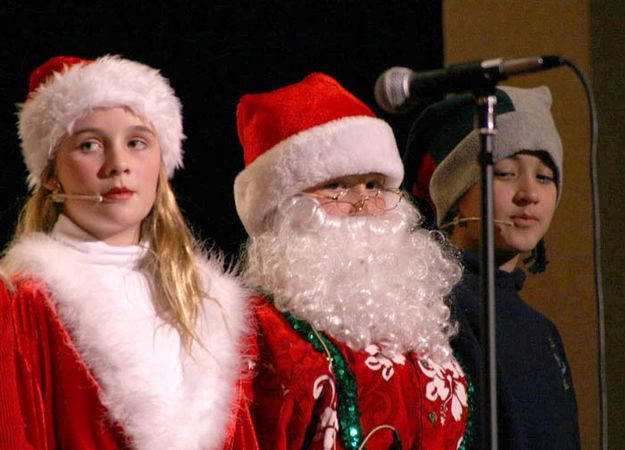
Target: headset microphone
{"points": [[462, 222], [59, 197]]}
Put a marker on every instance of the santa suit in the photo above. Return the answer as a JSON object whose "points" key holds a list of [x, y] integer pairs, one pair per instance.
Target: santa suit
{"points": [[295, 393], [87, 364]]}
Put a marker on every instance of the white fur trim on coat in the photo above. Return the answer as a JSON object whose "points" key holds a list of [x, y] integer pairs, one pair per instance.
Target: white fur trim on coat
{"points": [[348, 146], [109, 81], [197, 414]]}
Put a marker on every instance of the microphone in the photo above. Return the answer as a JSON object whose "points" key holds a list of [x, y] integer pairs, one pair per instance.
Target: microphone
{"points": [[59, 197], [462, 222], [400, 88]]}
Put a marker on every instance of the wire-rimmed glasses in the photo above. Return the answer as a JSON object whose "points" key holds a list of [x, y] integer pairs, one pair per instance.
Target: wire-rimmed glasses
{"points": [[350, 201]]}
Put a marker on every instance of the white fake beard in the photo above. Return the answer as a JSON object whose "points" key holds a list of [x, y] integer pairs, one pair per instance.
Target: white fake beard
{"points": [[364, 280]]}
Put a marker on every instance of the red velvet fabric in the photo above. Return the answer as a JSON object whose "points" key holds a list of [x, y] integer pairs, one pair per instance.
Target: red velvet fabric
{"points": [[241, 434], [263, 120], [421, 187], [49, 398], [290, 372]]}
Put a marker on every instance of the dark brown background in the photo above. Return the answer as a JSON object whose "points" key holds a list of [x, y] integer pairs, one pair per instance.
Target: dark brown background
{"points": [[590, 33]]}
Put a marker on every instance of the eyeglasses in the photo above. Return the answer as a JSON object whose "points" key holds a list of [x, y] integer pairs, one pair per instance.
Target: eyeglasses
{"points": [[350, 201]]}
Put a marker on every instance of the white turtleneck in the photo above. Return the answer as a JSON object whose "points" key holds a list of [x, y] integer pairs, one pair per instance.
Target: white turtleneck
{"points": [[116, 268]]}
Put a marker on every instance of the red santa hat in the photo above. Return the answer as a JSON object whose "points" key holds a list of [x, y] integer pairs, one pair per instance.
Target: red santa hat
{"points": [[302, 135], [65, 89]]}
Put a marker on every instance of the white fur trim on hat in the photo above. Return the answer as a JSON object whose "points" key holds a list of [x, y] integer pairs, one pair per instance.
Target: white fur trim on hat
{"points": [[50, 112], [348, 146]]}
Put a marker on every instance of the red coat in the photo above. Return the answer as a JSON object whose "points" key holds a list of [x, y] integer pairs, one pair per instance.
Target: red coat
{"points": [[49, 398], [293, 393], [85, 366]]}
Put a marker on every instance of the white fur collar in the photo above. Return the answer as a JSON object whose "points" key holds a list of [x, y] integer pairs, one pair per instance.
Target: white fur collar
{"points": [[193, 417]]}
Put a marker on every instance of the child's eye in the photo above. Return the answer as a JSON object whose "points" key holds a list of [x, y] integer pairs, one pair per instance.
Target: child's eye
{"points": [[503, 174], [333, 186], [543, 178], [373, 185], [137, 144], [89, 146]]}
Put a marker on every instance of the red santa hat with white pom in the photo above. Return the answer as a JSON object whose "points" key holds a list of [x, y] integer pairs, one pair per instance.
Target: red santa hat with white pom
{"points": [[65, 89], [302, 135]]}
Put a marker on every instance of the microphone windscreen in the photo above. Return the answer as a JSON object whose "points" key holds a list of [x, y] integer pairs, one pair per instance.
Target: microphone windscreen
{"points": [[392, 89]]}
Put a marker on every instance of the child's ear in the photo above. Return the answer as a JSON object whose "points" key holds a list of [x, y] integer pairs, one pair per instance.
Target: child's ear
{"points": [[52, 184]]}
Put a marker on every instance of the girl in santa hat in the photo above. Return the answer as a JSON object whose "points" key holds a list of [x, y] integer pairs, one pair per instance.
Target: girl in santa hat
{"points": [[120, 332]]}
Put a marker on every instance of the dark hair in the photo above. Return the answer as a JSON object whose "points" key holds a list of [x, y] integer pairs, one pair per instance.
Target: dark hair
{"points": [[538, 258]]}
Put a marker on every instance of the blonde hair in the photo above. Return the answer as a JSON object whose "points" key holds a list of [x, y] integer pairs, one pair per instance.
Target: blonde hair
{"points": [[169, 265]]}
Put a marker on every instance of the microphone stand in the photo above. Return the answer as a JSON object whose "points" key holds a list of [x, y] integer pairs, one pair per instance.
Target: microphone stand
{"points": [[484, 122]]}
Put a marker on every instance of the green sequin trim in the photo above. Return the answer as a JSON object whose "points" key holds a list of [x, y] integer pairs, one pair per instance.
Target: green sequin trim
{"points": [[347, 408], [467, 439]]}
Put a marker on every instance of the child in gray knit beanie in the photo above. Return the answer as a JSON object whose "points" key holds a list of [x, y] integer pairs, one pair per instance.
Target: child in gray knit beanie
{"points": [[537, 406], [442, 160]]}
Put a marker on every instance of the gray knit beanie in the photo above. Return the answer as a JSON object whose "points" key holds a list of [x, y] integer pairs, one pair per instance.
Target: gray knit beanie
{"points": [[443, 148]]}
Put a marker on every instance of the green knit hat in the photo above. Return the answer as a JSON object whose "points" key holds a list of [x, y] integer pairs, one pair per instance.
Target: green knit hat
{"points": [[441, 159]]}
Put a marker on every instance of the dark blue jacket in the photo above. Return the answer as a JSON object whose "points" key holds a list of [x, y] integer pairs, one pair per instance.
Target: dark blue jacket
{"points": [[536, 401]]}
